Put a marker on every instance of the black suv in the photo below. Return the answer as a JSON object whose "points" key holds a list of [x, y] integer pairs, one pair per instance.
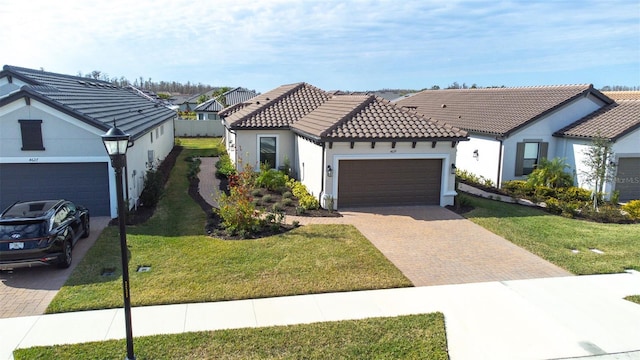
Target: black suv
{"points": [[41, 232]]}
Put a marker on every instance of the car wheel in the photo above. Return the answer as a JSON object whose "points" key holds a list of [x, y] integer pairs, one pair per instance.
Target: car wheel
{"points": [[86, 228], [66, 258]]}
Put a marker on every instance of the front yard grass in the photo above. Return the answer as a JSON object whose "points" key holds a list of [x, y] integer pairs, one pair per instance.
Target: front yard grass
{"points": [[188, 266], [404, 337], [554, 237]]}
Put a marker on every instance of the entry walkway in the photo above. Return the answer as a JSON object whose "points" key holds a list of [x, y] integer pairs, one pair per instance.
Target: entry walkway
{"points": [[551, 318]]}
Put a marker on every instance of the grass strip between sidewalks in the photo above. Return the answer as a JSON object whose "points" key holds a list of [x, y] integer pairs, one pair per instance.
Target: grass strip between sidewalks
{"points": [[404, 337]]}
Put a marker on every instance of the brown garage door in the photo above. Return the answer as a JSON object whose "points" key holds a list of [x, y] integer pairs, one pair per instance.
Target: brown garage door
{"points": [[389, 182], [628, 178]]}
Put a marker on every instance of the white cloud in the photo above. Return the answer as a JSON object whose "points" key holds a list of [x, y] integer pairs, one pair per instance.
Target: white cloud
{"points": [[337, 44]]}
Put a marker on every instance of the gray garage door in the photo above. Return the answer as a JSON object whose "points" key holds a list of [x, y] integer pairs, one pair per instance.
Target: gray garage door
{"points": [[389, 182], [83, 183], [628, 178]]}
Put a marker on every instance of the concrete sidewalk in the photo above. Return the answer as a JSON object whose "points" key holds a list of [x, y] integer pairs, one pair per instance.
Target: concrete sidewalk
{"points": [[551, 318]]}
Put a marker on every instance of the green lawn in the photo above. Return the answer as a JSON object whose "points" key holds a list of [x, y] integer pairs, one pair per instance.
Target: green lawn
{"points": [[554, 237], [187, 266], [405, 337]]}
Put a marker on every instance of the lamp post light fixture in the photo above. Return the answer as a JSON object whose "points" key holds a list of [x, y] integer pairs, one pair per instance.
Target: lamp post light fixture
{"points": [[116, 142]]}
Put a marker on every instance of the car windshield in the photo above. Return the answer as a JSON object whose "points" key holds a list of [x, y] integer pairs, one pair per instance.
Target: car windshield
{"points": [[28, 230]]}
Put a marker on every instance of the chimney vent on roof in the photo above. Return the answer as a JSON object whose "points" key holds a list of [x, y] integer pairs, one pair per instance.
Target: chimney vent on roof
{"points": [[443, 106]]}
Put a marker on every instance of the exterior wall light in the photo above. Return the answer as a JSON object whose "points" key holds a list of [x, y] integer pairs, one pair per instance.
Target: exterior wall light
{"points": [[329, 171], [475, 154], [453, 169]]}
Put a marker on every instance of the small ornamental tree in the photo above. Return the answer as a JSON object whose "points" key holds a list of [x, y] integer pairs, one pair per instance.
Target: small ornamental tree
{"points": [[600, 166], [237, 210]]}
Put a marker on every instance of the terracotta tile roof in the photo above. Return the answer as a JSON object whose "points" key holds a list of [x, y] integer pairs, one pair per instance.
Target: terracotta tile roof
{"points": [[367, 117], [623, 95], [278, 108], [495, 111], [611, 122]]}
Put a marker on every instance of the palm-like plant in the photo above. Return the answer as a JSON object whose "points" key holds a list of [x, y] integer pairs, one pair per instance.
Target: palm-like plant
{"points": [[550, 173]]}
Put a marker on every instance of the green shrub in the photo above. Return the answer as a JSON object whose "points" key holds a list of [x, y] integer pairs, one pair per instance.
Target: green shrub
{"points": [[573, 193], [308, 202], [256, 193], [605, 214], [287, 202], [193, 168], [554, 206], [271, 179], [569, 209], [632, 208], [517, 188], [287, 195], [542, 193], [224, 166], [550, 173], [153, 188], [267, 198], [277, 207]]}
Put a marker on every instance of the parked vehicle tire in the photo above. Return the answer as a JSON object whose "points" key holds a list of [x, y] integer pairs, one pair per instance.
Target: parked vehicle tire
{"points": [[66, 257], [86, 229]]}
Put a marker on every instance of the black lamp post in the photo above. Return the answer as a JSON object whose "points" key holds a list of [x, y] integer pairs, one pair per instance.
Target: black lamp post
{"points": [[116, 142]]}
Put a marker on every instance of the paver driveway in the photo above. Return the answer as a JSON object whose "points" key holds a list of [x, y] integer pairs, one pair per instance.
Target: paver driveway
{"points": [[28, 291], [435, 246]]}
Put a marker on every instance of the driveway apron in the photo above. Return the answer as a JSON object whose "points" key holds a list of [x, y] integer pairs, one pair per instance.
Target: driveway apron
{"points": [[435, 246]]}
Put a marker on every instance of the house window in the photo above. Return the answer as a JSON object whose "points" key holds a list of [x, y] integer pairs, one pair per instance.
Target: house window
{"points": [[268, 147], [528, 155], [200, 116], [151, 133], [161, 130], [31, 134]]}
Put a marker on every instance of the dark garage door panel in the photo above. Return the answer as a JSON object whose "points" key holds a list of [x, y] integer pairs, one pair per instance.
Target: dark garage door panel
{"points": [[389, 182], [628, 178], [83, 183]]}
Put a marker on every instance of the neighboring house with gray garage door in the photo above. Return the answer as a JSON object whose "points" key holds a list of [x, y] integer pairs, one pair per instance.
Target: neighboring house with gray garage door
{"points": [[510, 129], [50, 138], [348, 150], [619, 123]]}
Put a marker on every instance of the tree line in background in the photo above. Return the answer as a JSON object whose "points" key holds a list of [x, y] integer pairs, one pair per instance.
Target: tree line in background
{"points": [[175, 87], [172, 87]]}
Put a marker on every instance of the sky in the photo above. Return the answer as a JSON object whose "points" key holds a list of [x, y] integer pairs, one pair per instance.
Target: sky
{"points": [[334, 45]]}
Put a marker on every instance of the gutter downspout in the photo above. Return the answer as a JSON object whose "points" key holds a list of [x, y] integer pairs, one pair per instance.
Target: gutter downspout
{"points": [[235, 160], [323, 178], [499, 182]]}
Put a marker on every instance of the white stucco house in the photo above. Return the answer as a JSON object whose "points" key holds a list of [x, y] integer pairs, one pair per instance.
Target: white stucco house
{"points": [[348, 150], [511, 129], [208, 110], [619, 123], [50, 138]]}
